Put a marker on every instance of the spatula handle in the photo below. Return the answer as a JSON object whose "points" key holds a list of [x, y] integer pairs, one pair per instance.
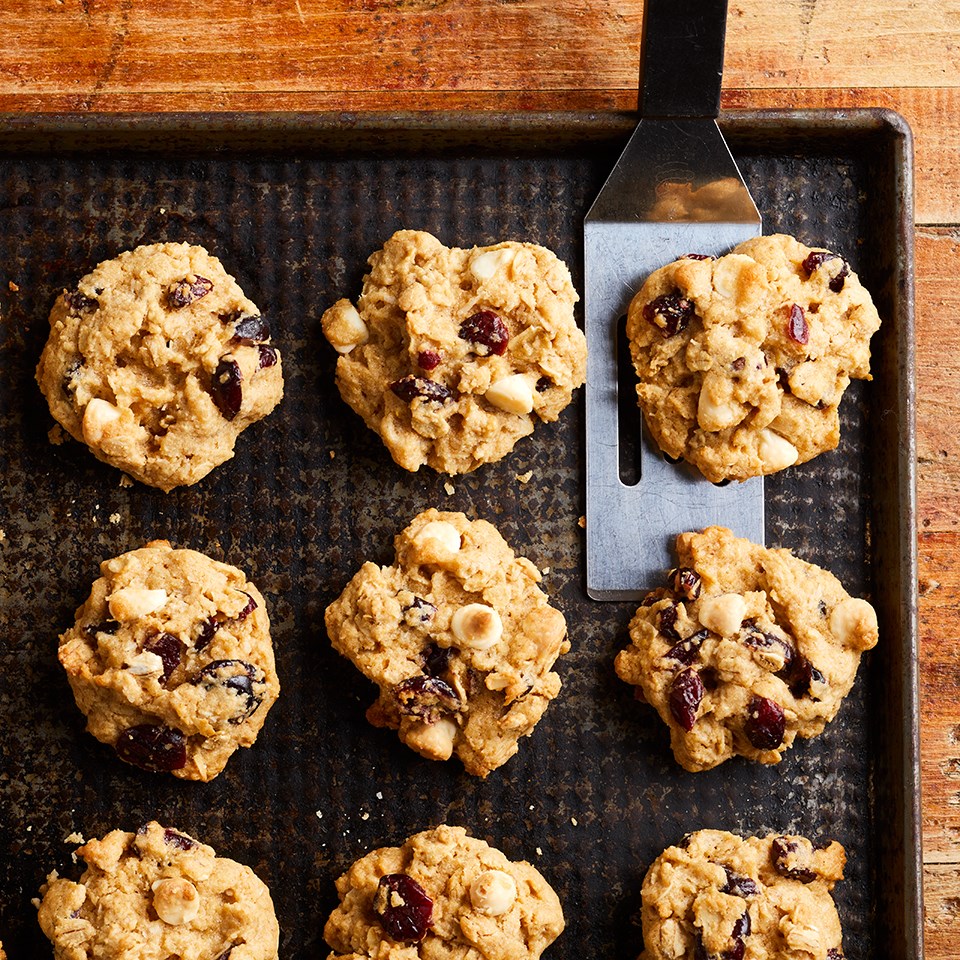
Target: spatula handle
{"points": [[681, 57]]}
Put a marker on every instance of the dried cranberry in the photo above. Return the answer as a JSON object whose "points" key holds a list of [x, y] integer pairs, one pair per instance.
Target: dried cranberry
{"points": [[404, 908], [226, 953], [686, 651], [69, 375], [225, 388], [428, 359], [250, 606], [408, 388], [686, 693], [544, 383], [206, 633], [791, 861], [819, 257], [436, 659], [834, 954], [179, 840], [696, 256], [106, 626], [78, 302], [169, 649], [739, 886], [251, 330], [800, 675], [667, 622], [426, 697], [686, 582], [736, 952], [243, 680], [739, 364], [743, 926], [765, 723], [184, 292], [152, 747], [486, 329], [268, 358], [419, 613], [797, 328], [669, 313]]}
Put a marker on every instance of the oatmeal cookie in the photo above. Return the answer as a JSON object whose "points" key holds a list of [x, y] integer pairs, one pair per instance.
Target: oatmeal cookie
{"points": [[453, 355], [442, 894], [157, 362], [458, 637], [719, 895], [171, 660], [157, 894], [743, 359], [747, 649]]}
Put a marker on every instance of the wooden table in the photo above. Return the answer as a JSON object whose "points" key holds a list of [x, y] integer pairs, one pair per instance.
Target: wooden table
{"points": [[120, 55]]}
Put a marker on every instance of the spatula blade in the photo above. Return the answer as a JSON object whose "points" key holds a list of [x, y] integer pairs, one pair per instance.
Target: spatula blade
{"points": [[627, 235]]}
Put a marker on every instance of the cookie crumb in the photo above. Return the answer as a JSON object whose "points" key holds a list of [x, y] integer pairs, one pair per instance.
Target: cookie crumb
{"points": [[3, 535], [125, 481], [12, 287], [525, 477], [114, 518], [319, 814], [573, 820], [449, 487], [379, 795], [163, 209], [582, 523], [539, 852], [364, 815], [333, 453], [56, 435], [75, 837], [545, 570]]}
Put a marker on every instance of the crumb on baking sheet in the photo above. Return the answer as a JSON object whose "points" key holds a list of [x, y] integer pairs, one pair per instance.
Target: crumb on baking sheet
{"points": [[319, 814], [364, 815], [582, 523], [333, 453], [450, 488], [545, 571], [539, 852], [125, 481], [573, 820], [75, 837], [525, 477], [12, 287], [56, 435], [114, 518], [3, 535]]}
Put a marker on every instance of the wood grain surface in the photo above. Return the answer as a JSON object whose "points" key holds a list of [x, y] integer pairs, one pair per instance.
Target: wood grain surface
{"points": [[118, 55]]}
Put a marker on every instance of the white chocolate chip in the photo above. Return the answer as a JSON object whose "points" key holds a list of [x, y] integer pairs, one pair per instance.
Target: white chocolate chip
{"points": [[723, 614], [714, 410], [145, 663], [487, 264], [511, 394], [431, 740], [441, 534], [477, 626], [344, 327], [493, 892], [854, 623], [176, 900], [775, 452], [97, 416], [131, 603], [726, 274]]}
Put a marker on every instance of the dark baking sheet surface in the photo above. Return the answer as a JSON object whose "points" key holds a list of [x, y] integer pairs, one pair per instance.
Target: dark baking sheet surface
{"points": [[293, 206]]}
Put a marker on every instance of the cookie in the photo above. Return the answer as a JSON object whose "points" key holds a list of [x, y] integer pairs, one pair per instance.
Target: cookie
{"points": [[157, 894], [453, 355], [443, 894], [742, 360], [170, 660], [458, 637], [745, 650], [719, 895], [157, 362]]}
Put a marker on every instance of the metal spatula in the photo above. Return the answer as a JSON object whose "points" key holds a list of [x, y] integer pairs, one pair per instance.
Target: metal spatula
{"points": [[675, 190]]}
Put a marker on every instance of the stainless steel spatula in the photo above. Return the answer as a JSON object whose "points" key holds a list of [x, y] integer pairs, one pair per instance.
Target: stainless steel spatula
{"points": [[675, 190]]}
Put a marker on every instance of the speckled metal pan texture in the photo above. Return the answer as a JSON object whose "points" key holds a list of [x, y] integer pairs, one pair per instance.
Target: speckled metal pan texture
{"points": [[293, 206]]}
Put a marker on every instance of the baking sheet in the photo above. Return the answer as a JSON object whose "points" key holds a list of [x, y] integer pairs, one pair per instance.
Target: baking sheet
{"points": [[293, 205]]}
